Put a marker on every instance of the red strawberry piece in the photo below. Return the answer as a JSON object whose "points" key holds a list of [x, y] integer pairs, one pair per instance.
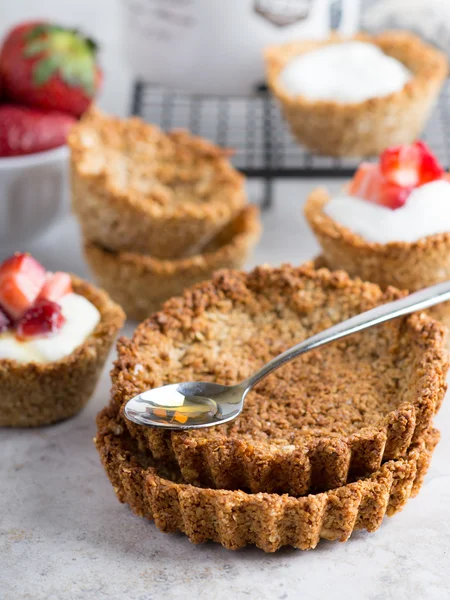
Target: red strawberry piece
{"points": [[26, 130], [393, 196], [49, 67], [401, 165], [56, 286], [21, 280], [369, 183], [410, 166], [44, 318], [366, 182], [5, 321], [430, 168]]}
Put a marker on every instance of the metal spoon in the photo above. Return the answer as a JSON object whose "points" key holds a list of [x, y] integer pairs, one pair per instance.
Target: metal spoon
{"points": [[192, 405]]}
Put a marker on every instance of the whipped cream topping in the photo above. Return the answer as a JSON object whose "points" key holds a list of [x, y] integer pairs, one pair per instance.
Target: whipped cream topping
{"points": [[426, 212], [81, 319], [347, 72]]}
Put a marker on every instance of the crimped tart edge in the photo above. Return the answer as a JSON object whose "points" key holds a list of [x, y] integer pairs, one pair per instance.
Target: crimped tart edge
{"points": [[35, 394], [236, 519], [231, 463]]}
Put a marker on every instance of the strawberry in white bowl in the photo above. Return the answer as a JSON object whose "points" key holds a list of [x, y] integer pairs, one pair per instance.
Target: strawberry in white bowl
{"points": [[49, 77], [55, 333]]}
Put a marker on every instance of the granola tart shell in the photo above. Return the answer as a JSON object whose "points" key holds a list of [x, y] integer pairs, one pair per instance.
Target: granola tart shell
{"points": [[35, 394], [368, 127], [138, 189], [236, 519], [296, 433], [140, 284]]}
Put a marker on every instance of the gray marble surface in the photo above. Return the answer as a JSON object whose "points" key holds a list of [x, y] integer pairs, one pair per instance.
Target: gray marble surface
{"points": [[63, 535]]}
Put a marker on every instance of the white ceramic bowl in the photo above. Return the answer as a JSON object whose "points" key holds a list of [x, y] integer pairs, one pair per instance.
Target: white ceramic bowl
{"points": [[34, 193]]}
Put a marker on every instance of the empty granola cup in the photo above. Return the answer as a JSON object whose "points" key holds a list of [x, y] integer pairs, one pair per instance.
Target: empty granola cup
{"points": [[138, 189]]}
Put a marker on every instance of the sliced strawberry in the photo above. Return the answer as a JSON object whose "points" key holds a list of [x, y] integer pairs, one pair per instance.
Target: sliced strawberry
{"points": [[430, 168], [5, 322], [21, 280], [42, 319], [368, 183], [410, 166], [393, 196], [401, 165], [56, 286]]}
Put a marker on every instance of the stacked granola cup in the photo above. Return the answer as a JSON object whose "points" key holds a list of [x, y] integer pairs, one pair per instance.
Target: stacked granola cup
{"points": [[158, 212], [328, 444]]}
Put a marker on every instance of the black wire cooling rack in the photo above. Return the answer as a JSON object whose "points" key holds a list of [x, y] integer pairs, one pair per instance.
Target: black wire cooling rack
{"points": [[253, 127]]}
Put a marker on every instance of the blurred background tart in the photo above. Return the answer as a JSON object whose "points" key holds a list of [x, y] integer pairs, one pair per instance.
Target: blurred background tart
{"points": [[141, 283], [356, 96], [138, 189]]}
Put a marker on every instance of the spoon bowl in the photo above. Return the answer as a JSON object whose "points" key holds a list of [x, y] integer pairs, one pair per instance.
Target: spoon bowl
{"points": [[186, 405]]}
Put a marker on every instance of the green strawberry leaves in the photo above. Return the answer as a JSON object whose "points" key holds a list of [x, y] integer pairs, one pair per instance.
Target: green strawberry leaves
{"points": [[46, 68], [64, 53], [80, 72], [35, 47]]}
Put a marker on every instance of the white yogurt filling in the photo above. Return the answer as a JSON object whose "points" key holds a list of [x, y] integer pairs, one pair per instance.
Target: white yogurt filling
{"points": [[347, 72], [81, 319], [426, 212]]}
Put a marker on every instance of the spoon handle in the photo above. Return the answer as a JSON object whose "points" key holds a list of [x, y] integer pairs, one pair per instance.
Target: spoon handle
{"points": [[414, 302]]}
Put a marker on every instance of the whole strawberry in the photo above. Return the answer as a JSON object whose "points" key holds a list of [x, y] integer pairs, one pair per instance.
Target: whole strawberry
{"points": [[25, 130], [50, 67]]}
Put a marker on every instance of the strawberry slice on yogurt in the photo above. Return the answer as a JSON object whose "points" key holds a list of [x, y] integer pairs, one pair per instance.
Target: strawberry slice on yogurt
{"points": [[410, 166], [21, 280], [56, 286], [44, 318], [369, 183], [400, 170]]}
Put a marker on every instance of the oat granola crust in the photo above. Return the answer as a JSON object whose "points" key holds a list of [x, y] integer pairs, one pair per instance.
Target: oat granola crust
{"points": [[140, 284], [440, 312], [138, 189], [270, 521], [368, 127], [34, 394], [324, 418]]}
